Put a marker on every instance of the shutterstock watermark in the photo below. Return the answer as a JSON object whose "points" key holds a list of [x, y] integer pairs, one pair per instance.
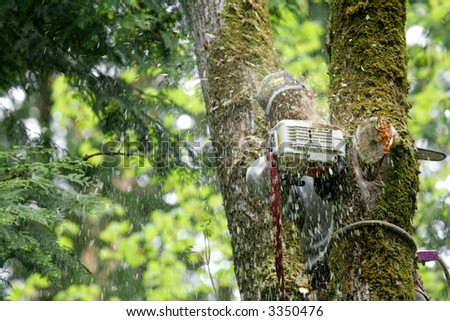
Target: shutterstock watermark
{"points": [[128, 153], [162, 154]]}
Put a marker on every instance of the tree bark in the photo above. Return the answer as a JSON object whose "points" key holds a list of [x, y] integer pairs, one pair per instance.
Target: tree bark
{"points": [[368, 78], [233, 45]]}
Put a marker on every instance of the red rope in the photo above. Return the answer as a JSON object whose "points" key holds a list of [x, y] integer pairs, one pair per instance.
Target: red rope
{"points": [[276, 218]]}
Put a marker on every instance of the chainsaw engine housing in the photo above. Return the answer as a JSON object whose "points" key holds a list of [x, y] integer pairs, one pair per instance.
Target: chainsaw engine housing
{"points": [[307, 148]]}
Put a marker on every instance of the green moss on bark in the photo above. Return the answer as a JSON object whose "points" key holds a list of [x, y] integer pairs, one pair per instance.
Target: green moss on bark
{"points": [[368, 73], [397, 199], [296, 281], [368, 63], [239, 57], [384, 266]]}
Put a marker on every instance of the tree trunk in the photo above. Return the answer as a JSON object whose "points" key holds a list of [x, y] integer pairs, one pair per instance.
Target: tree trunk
{"points": [[368, 74], [233, 45], [371, 254], [44, 103]]}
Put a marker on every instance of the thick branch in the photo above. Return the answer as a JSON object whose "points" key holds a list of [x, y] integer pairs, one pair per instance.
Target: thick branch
{"points": [[368, 71], [229, 82]]}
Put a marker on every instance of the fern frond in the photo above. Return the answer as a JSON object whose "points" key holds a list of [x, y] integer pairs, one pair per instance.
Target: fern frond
{"points": [[35, 197]]}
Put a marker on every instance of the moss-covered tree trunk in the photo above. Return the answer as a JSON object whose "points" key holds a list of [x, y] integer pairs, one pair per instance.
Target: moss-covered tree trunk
{"points": [[368, 72], [233, 45]]}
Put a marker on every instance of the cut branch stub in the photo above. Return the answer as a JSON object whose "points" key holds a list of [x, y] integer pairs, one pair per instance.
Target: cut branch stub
{"points": [[372, 143], [373, 140]]}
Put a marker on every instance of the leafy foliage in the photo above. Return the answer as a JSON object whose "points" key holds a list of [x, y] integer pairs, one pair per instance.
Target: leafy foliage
{"points": [[111, 51], [127, 92], [27, 289], [37, 193]]}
